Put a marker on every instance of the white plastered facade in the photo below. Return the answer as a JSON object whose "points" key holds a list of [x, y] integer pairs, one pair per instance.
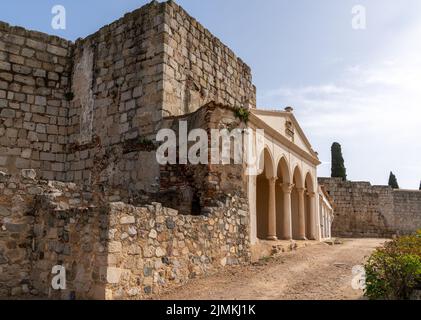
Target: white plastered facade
{"points": [[286, 202]]}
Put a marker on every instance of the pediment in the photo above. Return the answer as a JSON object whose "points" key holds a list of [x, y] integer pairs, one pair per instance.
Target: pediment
{"points": [[286, 124]]}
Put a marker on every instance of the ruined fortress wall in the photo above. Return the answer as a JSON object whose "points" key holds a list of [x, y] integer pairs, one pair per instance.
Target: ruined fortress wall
{"points": [[407, 207], [109, 250], [85, 114], [199, 187], [122, 251], [34, 80], [199, 68], [117, 86], [16, 223], [363, 210], [82, 112], [153, 248], [72, 232]]}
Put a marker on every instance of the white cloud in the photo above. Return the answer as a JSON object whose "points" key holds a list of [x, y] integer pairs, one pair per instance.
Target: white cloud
{"points": [[375, 108]]}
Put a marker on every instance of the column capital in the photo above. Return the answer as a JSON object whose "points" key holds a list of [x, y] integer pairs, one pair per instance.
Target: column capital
{"points": [[311, 194], [287, 187], [301, 190], [273, 179]]}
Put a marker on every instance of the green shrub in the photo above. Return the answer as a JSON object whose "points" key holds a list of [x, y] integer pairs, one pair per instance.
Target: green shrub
{"points": [[243, 114], [394, 271]]}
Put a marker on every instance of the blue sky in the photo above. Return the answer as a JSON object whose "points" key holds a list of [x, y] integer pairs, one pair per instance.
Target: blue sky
{"points": [[358, 87]]}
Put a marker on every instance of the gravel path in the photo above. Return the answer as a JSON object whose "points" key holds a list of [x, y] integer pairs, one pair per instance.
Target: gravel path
{"points": [[316, 272]]}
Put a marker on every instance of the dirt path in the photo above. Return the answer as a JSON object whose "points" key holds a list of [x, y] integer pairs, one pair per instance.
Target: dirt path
{"points": [[319, 271]]}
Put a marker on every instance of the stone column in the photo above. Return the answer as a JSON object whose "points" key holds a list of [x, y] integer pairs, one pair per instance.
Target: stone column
{"points": [[329, 227], [301, 215], [326, 224], [311, 204], [272, 210], [287, 214], [321, 222]]}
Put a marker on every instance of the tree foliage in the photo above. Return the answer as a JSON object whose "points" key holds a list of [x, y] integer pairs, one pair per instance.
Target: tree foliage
{"points": [[393, 182], [338, 163]]}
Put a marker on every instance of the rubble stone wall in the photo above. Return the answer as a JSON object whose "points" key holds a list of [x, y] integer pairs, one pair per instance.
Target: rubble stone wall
{"points": [[77, 128], [16, 223], [363, 210], [153, 248], [19, 203], [110, 250]]}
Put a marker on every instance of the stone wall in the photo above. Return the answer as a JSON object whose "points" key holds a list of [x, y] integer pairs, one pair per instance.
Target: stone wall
{"points": [[199, 68], [82, 112], [363, 210], [19, 195], [195, 188], [34, 80], [85, 115], [111, 250], [153, 248], [16, 202], [153, 63], [118, 93]]}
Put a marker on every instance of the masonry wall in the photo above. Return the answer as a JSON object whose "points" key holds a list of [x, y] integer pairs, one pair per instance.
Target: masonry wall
{"points": [[34, 80], [69, 232], [363, 210], [199, 68], [117, 86], [16, 201], [20, 197], [195, 188], [109, 250], [154, 248], [86, 115], [153, 63]]}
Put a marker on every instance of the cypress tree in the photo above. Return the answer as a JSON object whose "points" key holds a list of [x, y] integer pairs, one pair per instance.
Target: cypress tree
{"points": [[420, 186], [338, 166], [393, 182]]}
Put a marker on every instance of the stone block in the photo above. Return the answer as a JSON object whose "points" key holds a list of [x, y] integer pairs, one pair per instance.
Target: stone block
{"points": [[114, 247], [8, 113], [57, 50], [127, 220], [113, 275]]}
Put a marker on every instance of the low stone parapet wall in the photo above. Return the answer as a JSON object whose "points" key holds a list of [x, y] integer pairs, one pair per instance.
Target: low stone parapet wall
{"points": [[110, 250], [363, 210]]}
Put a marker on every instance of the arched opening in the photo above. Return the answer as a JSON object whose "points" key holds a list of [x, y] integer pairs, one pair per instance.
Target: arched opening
{"points": [[283, 181], [309, 202], [262, 194], [297, 205]]}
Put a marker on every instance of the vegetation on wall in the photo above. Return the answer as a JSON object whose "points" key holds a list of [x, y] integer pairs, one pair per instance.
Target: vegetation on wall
{"points": [[394, 271], [138, 144], [243, 114], [393, 182], [338, 163]]}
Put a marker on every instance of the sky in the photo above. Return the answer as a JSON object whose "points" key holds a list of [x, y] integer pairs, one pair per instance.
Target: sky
{"points": [[360, 87]]}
